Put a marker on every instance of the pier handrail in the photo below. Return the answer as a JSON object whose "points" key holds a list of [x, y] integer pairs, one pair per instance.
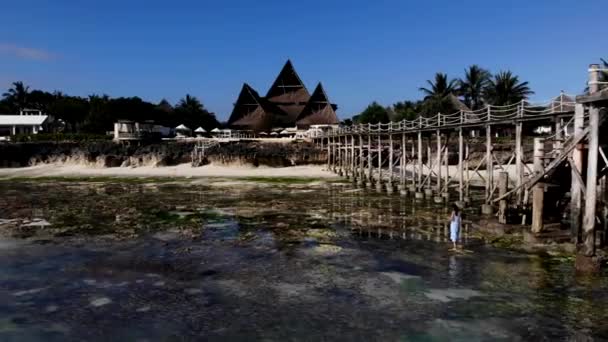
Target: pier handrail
{"points": [[487, 115]]}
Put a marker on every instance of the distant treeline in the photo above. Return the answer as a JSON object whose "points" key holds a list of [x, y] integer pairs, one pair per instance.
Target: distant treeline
{"points": [[97, 113]]}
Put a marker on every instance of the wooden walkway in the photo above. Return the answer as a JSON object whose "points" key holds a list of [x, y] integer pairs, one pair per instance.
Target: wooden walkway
{"points": [[413, 157]]}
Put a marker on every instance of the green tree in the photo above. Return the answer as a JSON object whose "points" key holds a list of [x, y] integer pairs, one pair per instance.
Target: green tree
{"points": [[17, 96], [406, 110], [191, 112], [472, 86], [374, 113], [346, 122], [506, 89], [72, 110], [436, 96]]}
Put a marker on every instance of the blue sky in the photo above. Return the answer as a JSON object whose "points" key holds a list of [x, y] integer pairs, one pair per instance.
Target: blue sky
{"points": [[361, 50]]}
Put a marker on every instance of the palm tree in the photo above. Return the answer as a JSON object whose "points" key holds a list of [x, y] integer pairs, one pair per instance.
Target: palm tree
{"points": [[440, 88], [191, 112], [436, 97], [505, 89], [17, 95], [471, 87], [190, 104]]}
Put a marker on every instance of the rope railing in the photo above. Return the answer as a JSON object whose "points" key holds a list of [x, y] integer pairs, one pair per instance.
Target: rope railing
{"points": [[487, 114]]}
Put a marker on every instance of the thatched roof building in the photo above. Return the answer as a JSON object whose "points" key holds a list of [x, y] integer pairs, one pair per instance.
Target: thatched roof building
{"points": [[286, 104]]}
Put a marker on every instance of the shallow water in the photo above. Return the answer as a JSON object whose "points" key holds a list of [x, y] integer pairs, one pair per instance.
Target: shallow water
{"points": [[251, 261]]}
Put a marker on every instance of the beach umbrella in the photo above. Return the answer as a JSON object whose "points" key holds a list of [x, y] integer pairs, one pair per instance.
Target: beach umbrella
{"points": [[200, 130]]}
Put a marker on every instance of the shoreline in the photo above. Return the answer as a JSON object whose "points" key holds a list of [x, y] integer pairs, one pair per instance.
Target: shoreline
{"points": [[177, 171]]}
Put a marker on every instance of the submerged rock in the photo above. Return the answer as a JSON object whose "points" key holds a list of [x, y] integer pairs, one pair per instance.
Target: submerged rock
{"points": [[449, 294], [101, 301]]}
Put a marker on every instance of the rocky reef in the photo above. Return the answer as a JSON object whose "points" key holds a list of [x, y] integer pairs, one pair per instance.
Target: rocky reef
{"points": [[258, 153], [110, 154]]}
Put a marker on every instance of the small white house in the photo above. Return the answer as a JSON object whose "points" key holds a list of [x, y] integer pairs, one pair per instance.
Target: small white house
{"points": [[29, 121]]}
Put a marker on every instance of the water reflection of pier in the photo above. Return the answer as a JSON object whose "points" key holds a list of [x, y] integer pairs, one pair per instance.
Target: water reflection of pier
{"points": [[370, 215]]}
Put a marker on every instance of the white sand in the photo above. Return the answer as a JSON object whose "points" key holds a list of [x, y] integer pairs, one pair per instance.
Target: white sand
{"points": [[182, 170]]}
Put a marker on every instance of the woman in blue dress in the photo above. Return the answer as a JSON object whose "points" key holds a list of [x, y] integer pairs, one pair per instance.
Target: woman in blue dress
{"points": [[455, 221]]}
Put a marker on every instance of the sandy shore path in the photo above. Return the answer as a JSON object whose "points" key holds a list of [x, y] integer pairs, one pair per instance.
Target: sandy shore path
{"points": [[182, 170]]}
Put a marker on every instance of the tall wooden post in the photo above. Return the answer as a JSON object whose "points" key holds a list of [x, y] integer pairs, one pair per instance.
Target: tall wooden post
{"points": [[446, 176], [460, 166], [389, 183], [353, 159], [361, 161], [439, 157], [379, 184], [403, 164], [467, 195], [576, 170], [503, 183], [489, 164], [591, 188], [328, 154], [558, 136], [370, 172], [538, 193], [414, 172], [519, 171]]}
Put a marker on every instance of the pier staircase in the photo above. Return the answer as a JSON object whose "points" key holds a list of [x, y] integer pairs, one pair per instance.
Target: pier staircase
{"points": [[200, 151]]}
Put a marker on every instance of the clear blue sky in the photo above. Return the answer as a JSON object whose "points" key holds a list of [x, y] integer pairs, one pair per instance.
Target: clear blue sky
{"points": [[361, 50]]}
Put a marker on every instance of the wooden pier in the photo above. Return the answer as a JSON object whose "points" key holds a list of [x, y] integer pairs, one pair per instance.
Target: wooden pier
{"points": [[392, 157]]}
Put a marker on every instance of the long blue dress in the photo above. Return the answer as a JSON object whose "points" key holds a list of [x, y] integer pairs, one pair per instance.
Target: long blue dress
{"points": [[455, 228]]}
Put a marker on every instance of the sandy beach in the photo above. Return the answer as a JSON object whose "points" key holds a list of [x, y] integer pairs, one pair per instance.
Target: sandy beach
{"points": [[182, 170]]}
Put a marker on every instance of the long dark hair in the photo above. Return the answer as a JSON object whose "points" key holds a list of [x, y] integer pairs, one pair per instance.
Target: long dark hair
{"points": [[456, 209]]}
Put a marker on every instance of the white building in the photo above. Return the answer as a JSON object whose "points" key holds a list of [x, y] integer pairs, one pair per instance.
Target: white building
{"points": [[29, 121]]}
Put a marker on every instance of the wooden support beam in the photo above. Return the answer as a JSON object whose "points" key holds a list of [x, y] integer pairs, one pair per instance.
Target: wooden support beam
{"points": [[576, 170], [538, 193], [379, 184], [403, 160], [361, 161], [439, 157], [370, 178], [503, 184], [460, 165], [588, 247], [419, 161], [489, 162], [390, 159], [413, 152]]}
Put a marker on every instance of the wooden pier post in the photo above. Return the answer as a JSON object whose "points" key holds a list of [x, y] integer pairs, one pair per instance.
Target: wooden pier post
{"points": [[402, 165], [379, 183], [370, 178], [389, 182], [489, 164], [438, 161], [519, 171], [503, 184], [446, 177], [487, 208], [538, 192], [467, 175], [353, 159], [576, 170], [328, 154], [557, 144], [414, 173], [588, 248], [361, 180], [419, 194], [460, 167]]}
